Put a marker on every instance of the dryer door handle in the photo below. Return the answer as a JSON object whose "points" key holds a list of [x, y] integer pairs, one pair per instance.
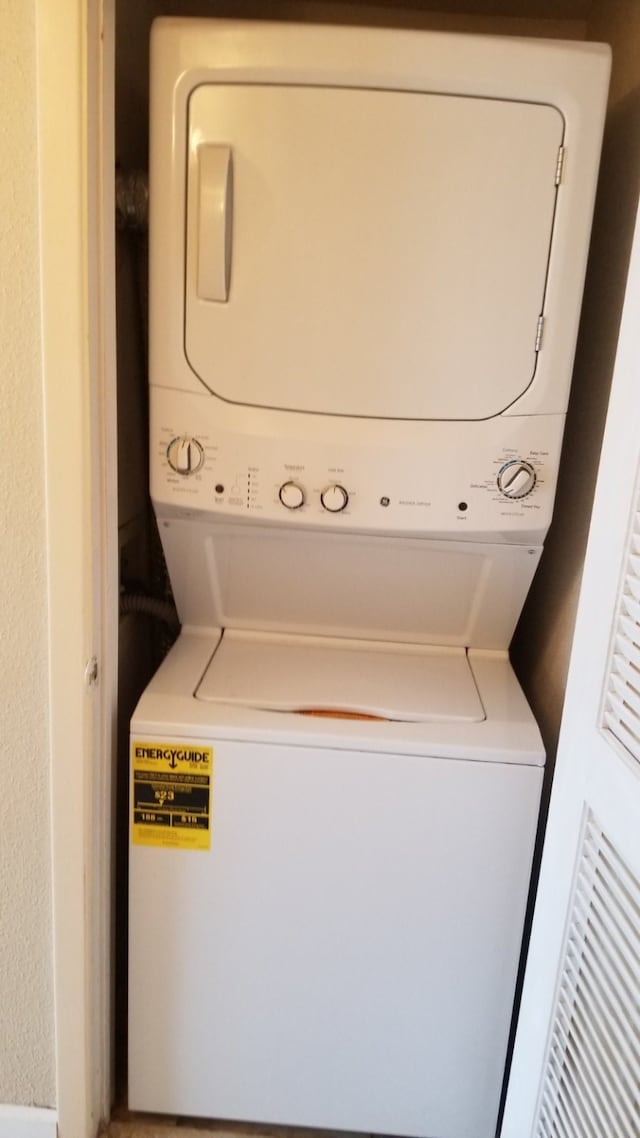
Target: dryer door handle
{"points": [[215, 217]]}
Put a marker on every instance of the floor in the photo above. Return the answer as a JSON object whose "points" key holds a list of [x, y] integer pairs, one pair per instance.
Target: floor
{"points": [[131, 1125]]}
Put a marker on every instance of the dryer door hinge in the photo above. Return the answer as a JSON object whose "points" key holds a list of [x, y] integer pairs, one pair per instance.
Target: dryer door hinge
{"points": [[559, 165], [539, 328]]}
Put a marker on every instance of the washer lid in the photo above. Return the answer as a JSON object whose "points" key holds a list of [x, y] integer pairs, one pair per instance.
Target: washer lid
{"points": [[367, 253], [322, 675]]}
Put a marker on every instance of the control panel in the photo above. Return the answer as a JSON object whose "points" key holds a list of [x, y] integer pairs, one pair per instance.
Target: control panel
{"points": [[473, 480]]}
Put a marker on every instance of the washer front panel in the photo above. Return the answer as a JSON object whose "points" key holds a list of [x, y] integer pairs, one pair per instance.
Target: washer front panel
{"points": [[344, 955]]}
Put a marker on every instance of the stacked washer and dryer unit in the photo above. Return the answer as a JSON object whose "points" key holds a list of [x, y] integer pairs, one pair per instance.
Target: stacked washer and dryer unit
{"points": [[367, 255]]}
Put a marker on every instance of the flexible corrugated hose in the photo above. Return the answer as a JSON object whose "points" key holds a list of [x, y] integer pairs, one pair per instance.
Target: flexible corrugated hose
{"points": [[139, 603]]}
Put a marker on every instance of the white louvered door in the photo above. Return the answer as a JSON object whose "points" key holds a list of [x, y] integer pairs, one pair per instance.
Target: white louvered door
{"points": [[576, 1063], [591, 1071], [622, 702]]}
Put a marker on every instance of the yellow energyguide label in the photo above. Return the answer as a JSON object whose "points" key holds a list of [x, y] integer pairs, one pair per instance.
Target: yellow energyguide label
{"points": [[171, 794]]}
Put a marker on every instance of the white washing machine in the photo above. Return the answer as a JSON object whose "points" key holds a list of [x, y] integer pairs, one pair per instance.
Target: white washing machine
{"points": [[367, 252]]}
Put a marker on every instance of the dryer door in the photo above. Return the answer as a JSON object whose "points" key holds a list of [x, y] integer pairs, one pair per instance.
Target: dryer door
{"points": [[367, 253]]}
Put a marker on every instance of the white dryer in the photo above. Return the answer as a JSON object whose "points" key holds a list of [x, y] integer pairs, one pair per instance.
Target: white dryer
{"points": [[367, 252]]}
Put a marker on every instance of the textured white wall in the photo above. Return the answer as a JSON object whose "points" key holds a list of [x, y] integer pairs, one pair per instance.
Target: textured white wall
{"points": [[27, 1067]]}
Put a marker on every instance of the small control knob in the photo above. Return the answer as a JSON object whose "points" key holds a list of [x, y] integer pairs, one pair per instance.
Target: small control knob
{"points": [[292, 495], [516, 479], [185, 455], [334, 498]]}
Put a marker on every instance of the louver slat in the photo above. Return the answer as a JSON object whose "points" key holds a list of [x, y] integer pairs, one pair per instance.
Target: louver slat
{"points": [[628, 628], [622, 732], [628, 696], [562, 1130], [612, 1088], [614, 1052], [589, 990], [591, 1077], [594, 1063], [575, 1104], [621, 708], [631, 607], [634, 577], [565, 1112], [620, 876], [618, 920], [624, 668], [620, 971]]}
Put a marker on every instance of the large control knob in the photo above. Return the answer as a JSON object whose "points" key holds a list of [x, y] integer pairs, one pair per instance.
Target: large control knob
{"points": [[185, 455], [292, 495], [517, 478], [334, 498]]}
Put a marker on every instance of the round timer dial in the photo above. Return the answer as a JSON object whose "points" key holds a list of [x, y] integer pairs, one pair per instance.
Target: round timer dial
{"points": [[291, 495], [185, 455], [516, 479], [334, 498]]}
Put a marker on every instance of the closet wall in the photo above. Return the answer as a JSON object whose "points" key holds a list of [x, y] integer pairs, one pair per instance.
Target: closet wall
{"points": [[27, 1054]]}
